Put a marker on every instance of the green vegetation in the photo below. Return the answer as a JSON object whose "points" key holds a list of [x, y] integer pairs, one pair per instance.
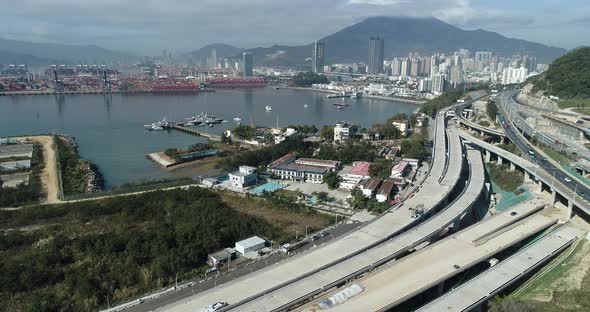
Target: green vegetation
{"points": [[560, 157], [509, 148], [359, 202], [571, 298], [567, 77], [263, 156], [331, 179], [74, 171], [24, 194], [305, 129], [483, 123], [308, 78], [381, 168], [492, 110], [448, 98], [414, 147], [327, 133], [244, 132], [348, 152], [503, 177], [73, 257]]}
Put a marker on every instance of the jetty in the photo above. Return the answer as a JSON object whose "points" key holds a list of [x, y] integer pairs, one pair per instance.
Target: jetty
{"points": [[179, 127]]}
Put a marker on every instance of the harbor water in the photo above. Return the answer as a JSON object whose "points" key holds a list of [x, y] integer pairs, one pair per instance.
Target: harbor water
{"points": [[110, 133]]}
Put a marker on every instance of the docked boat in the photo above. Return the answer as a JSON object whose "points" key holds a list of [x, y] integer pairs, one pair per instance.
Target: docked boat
{"points": [[237, 119], [268, 108]]}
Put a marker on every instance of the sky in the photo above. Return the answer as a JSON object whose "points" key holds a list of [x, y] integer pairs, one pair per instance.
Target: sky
{"points": [[148, 26]]}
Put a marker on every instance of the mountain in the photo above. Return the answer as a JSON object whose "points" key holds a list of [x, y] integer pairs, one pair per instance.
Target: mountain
{"points": [[404, 35], [19, 58], [64, 53], [568, 76], [221, 50]]}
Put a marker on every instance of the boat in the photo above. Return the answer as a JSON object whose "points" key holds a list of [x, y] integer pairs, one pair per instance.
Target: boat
{"points": [[237, 119], [157, 128], [305, 105], [268, 108], [188, 124]]}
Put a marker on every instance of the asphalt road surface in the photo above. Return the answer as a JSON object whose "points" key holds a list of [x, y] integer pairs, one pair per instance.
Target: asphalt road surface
{"points": [[178, 295], [557, 173]]}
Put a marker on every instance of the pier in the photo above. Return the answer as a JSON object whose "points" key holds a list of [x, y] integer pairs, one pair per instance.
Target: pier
{"points": [[212, 137]]}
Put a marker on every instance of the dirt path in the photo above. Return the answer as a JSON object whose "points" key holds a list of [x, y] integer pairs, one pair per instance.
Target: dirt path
{"points": [[49, 176]]}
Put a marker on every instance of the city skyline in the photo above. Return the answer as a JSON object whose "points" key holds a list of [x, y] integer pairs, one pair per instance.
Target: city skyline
{"points": [[134, 26]]}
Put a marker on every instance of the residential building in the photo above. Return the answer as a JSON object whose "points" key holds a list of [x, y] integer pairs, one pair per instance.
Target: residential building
{"points": [[251, 244], [376, 53], [438, 83], [405, 68], [369, 187], [512, 75], [308, 170], [244, 177], [396, 67], [384, 192], [401, 125], [415, 68], [247, 64], [343, 131], [358, 173], [401, 169], [318, 58]]}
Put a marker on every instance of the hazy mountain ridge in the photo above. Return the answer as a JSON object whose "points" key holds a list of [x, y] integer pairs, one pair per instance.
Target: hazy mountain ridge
{"points": [[70, 54]]}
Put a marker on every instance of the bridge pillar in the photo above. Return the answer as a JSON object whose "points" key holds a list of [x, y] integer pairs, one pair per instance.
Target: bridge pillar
{"points": [[456, 224], [481, 133], [500, 160], [512, 168], [504, 140], [553, 197], [527, 177], [540, 188], [570, 209], [488, 155]]}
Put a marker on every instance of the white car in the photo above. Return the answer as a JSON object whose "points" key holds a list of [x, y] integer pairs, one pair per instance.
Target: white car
{"points": [[567, 179]]}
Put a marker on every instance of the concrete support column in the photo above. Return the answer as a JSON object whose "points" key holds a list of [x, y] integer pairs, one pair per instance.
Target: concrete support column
{"points": [[481, 133], [540, 188], [456, 225], [527, 177], [500, 160], [488, 155], [570, 209], [512, 168], [553, 197], [504, 140]]}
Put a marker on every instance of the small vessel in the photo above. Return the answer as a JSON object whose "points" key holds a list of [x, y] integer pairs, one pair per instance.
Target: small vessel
{"points": [[188, 124], [268, 108], [237, 119], [157, 128], [305, 105]]}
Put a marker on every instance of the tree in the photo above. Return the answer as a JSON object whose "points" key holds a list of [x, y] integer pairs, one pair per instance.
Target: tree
{"points": [[308, 78], [413, 148], [225, 139], [381, 168], [327, 133], [358, 200], [331, 179], [492, 110], [322, 196], [244, 132]]}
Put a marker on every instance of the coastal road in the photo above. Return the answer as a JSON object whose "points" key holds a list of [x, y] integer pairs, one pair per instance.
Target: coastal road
{"points": [[522, 144]]}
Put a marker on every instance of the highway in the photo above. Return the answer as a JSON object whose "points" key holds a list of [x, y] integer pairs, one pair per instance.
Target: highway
{"points": [[487, 284], [291, 295], [428, 198], [517, 139], [413, 274]]}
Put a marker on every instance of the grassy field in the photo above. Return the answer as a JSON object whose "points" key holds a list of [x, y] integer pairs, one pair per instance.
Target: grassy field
{"points": [[290, 222], [562, 285], [503, 177], [559, 157], [577, 103]]}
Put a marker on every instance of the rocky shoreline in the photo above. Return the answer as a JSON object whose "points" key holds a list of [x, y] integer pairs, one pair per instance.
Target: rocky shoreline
{"points": [[95, 178]]}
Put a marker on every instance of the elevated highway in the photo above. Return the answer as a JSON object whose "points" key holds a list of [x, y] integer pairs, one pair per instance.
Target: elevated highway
{"points": [[432, 196], [296, 293], [431, 266], [484, 286], [553, 182]]}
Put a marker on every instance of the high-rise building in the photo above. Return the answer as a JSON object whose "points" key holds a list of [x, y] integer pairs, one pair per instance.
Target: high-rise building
{"points": [[426, 66], [438, 83], [213, 58], [415, 67], [512, 75], [456, 75], [247, 64], [396, 67], [376, 51], [405, 68], [317, 60]]}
